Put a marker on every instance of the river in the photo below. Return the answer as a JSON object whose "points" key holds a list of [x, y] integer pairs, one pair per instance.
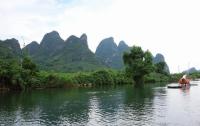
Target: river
{"points": [[152, 105]]}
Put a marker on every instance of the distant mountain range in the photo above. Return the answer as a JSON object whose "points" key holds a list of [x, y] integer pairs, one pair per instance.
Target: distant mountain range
{"points": [[70, 55], [190, 70]]}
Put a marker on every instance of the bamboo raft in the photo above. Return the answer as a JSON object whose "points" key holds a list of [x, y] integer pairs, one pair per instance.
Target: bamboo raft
{"points": [[179, 86]]}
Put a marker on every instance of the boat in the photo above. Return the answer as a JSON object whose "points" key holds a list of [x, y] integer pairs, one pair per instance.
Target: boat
{"points": [[182, 83], [178, 86]]}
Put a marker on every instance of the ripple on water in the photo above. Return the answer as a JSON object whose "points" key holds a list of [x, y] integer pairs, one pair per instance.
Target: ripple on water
{"points": [[124, 106]]}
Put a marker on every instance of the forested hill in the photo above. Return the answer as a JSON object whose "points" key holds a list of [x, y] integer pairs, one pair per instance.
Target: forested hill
{"points": [[111, 54], [70, 55], [10, 49], [160, 58], [73, 54]]}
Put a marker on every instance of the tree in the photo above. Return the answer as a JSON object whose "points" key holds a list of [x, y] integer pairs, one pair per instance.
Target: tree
{"points": [[160, 68], [17, 75], [9, 73], [138, 64], [27, 64], [29, 72]]}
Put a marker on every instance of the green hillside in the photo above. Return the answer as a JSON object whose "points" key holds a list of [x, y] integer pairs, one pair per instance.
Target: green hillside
{"points": [[10, 49], [71, 55], [111, 54]]}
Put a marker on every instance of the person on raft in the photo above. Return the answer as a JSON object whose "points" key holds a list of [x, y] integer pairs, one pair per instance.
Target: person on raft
{"points": [[184, 81]]}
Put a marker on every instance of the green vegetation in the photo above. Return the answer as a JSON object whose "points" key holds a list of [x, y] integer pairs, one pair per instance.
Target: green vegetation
{"points": [[140, 67], [111, 54], [72, 55], [25, 75], [73, 64], [194, 75], [95, 78], [16, 75], [154, 77], [138, 64], [160, 68], [160, 61], [10, 49], [177, 76]]}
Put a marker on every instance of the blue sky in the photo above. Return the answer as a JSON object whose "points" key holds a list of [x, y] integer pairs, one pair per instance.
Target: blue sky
{"points": [[170, 27]]}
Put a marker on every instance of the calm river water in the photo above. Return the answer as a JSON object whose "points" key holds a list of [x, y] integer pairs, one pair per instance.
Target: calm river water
{"points": [[123, 106]]}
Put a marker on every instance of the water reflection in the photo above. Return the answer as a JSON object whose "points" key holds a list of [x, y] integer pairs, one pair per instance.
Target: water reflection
{"points": [[104, 107], [101, 106], [44, 107], [138, 104]]}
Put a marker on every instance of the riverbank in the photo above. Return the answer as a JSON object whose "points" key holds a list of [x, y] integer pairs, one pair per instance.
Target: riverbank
{"points": [[81, 79], [14, 76], [104, 77]]}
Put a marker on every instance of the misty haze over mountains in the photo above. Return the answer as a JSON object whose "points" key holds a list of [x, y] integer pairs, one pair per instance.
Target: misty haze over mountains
{"points": [[72, 54]]}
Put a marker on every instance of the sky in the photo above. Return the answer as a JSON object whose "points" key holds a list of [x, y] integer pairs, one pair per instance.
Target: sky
{"points": [[169, 27]]}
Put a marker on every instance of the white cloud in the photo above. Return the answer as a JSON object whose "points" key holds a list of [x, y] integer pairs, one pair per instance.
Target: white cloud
{"points": [[170, 27]]}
